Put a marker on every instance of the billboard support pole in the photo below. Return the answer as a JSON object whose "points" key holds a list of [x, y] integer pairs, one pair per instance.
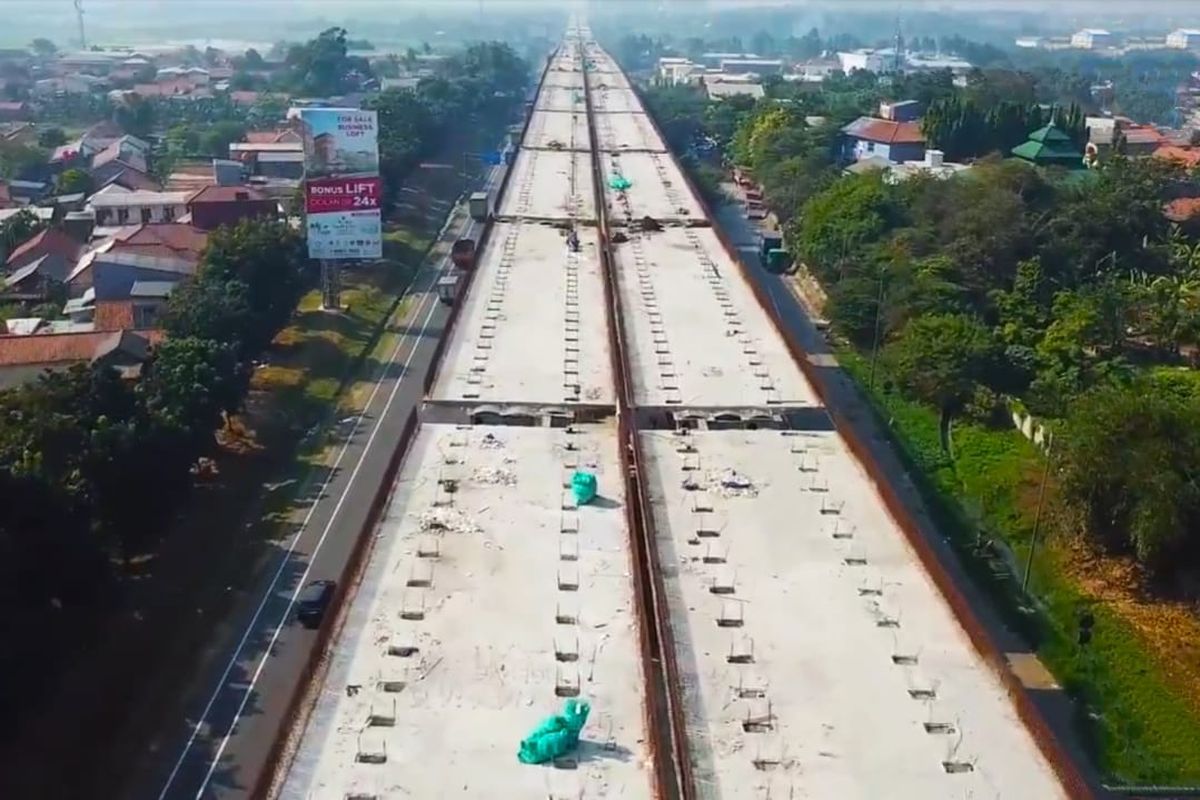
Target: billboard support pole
{"points": [[331, 285]]}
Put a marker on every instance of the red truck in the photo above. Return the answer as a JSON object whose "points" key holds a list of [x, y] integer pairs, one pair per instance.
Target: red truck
{"points": [[462, 254]]}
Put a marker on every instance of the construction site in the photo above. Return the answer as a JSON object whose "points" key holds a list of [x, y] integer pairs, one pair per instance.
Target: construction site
{"points": [[740, 609]]}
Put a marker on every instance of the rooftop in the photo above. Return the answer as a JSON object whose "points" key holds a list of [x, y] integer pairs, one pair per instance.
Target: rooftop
{"points": [[137, 198], [885, 131], [810, 636], [657, 188], [45, 242], [696, 335], [550, 185], [533, 328], [478, 612], [227, 194]]}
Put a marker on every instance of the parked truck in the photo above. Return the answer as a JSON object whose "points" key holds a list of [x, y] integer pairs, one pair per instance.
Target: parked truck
{"points": [[447, 288], [462, 254], [480, 206]]}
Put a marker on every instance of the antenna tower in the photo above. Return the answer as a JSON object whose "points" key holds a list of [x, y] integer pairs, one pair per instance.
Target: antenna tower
{"points": [[79, 16]]}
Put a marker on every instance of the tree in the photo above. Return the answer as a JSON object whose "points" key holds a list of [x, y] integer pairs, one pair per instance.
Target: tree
{"points": [[1129, 457], [191, 383], [321, 65], [51, 138], [16, 230], [135, 115], [43, 48], [216, 138], [941, 359], [18, 160], [209, 308], [73, 181]]}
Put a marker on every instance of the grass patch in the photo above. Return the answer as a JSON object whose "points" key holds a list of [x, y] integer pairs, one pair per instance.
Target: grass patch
{"points": [[1138, 678], [313, 357]]}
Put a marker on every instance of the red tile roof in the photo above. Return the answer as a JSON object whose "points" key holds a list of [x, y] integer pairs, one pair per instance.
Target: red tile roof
{"points": [[885, 131], [58, 348], [1142, 134], [1182, 209], [227, 194], [45, 242], [173, 239], [1187, 155], [260, 137], [244, 98]]}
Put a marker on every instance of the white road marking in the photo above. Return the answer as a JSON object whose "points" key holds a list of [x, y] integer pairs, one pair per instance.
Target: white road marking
{"points": [[270, 590]]}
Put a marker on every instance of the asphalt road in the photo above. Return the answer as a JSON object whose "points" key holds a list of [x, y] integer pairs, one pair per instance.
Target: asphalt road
{"points": [[220, 749]]}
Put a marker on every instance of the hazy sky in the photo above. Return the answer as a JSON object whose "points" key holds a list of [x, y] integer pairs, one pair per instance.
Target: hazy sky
{"points": [[122, 21]]}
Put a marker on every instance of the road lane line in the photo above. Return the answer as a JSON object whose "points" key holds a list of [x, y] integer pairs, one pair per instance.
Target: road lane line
{"points": [[312, 510], [312, 557]]}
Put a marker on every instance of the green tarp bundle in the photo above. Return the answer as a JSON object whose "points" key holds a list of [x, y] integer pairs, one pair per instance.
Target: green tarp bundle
{"points": [[583, 487], [619, 182], [556, 736]]}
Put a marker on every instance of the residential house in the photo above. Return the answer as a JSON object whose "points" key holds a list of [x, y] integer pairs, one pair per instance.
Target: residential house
{"points": [[1184, 39], [865, 60], [896, 140], [756, 66], [126, 153], [126, 207], [46, 242], [15, 111], [76, 83], [24, 357], [676, 70], [270, 159], [214, 206], [125, 281], [719, 88], [1092, 39]]}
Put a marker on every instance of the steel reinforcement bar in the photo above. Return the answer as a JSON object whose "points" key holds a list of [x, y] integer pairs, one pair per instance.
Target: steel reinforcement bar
{"points": [[664, 705], [1052, 749]]}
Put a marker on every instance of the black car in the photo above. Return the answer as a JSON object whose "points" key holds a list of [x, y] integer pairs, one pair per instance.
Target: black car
{"points": [[312, 602]]}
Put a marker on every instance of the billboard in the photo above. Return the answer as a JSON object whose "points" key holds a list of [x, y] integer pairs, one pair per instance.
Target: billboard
{"points": [[342, 190]]}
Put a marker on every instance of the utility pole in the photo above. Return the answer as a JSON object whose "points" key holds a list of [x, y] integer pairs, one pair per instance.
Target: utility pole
{"points": [[1037, 517]]}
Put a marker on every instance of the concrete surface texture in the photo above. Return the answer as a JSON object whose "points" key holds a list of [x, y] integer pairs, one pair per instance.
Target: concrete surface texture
{"points": [[617, 132], [817, 655], [697, 337], [558, 130], [608, 98], [568, 80], [658, 189], [546, 184], [480, 609], [559, 98], [533, 326]]}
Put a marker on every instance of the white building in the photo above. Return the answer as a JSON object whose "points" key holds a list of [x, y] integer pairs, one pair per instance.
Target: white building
{"points": [[115, 206], [1184, 39], [869, 60], [673, 70], [1091, 39]]}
